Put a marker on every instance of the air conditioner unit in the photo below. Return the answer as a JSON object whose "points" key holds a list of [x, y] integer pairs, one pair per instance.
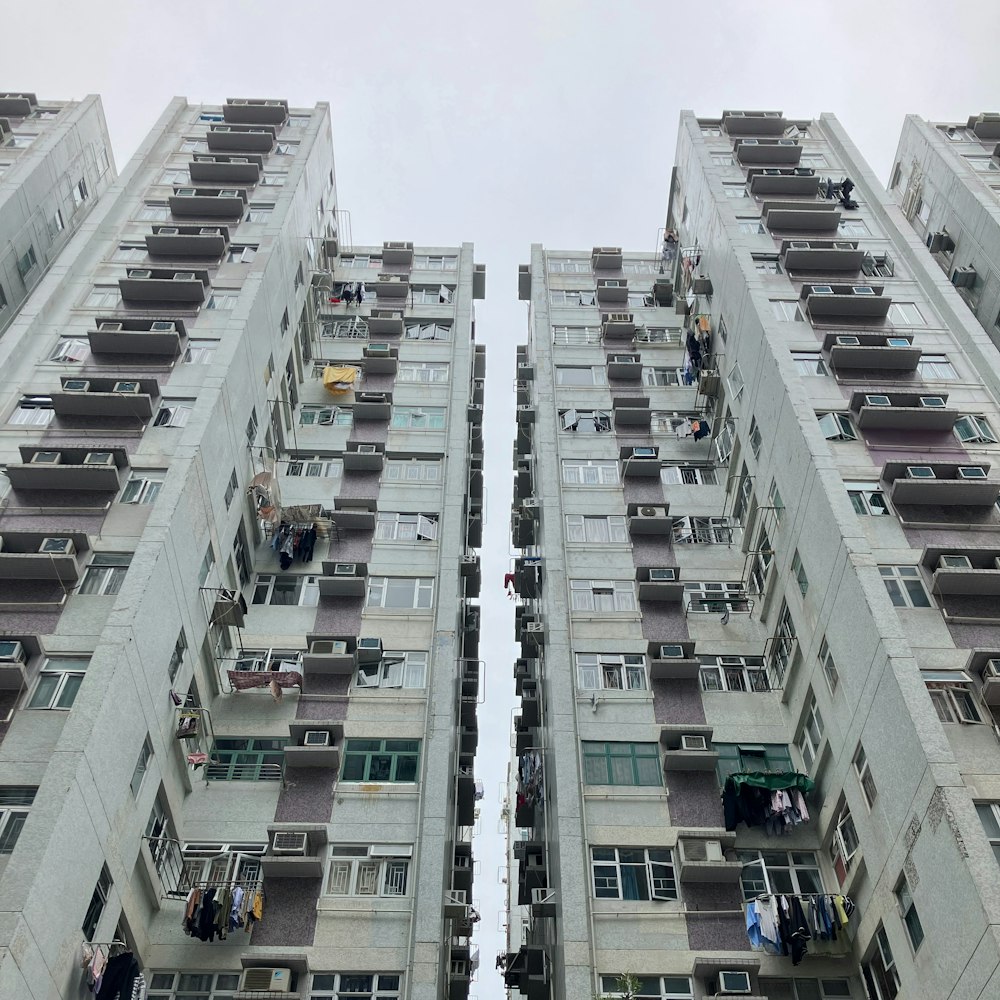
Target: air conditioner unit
{"points": [[919, 472], [863, 290], [185, 192], [129, 387], [366, 449], [691, 741], [954, 562], [662, 575], [220, 128], [971, 472], [234, 159], [749, 142], [377, 349], [733, 982], [877, 401], [842, 245], [624, 359], [788, 142], [897, 342], [46, 458], [371, 397], [228, 193], [990, 669], [99, 458], [848, 342], [143, 273], [799, 245], [643, 452], [162, 326], [183, 276], [530, 503], [210, 232], [328, 647], [397, 245], [963, 277], [57, 546], [110, 327], [345, 569], [821, 290], [771, 172], [672, 651], [168, 231], [316, 738], [713, 850], [12, 652], [935, 241], [652, 512], [612, 283], [265, 980], [931, 401], [288, 842], [76, 385], [369, 650], [619, 318]]}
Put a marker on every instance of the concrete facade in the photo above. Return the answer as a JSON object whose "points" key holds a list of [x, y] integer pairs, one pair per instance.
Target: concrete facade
{"points": [[336, 710], [807, 580]]}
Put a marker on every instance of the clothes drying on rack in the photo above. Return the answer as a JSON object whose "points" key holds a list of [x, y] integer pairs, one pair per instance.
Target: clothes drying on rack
{"points": [[782, 924]]}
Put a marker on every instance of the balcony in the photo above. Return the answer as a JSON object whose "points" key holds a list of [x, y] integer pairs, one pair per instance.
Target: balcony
{"points": [[612, 292], [784, 152], [372, 405], [343, 579], [707, 856], [386, 323], [329, 654], [795, 181], [801, 216], [241, 138], [380, 359], [391, 286], [34, 555], [354, 515], [251, 111], [659, 584], [362, 457], [398, 252], [226, 169], [163, 286], [821, 256], [631, 412], [845, 303], [222, 203], [295, 850], [874, 351], [68, 469], [985, 126], [314, 743], [903, 411], [649, 519], [627, 367], [106, 397], [944, 484], [964, 571], [17, 105], [673, 661], [606, 258], [688, 748], [187, 241], [754, 122]]}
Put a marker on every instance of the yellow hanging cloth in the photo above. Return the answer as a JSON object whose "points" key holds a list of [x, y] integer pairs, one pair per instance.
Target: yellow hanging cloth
{"points": [[339, 380]]}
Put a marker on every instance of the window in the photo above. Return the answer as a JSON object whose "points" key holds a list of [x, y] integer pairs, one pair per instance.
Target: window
{"points": [[905, 314], [246, 758], [177, 656], [435, 262], [69, 350], [602, 596], [981, 164], [590, 472], [575, 336], [715, 598], [702, 531], [599, 529], [878, 265], [406, 669], [97, 903], [274, 178], [287, 590], [755, 438], [734, 190], [332, 416], [783, 643], [173, 414], [251, 428], [3, 298], [853, 227], [733, 673], [286, 148], [259, 212], [806, 989], [829, 667], [767, 872], [971, 429], [580, 376], [354, 986], [952, 696], [908, 912], [356, 871], [799, 572], [585, 421], [809, 363], [402, 593], [751, 226], [380, 760], [418, 417], [141, 765], [207, 563], [422, 371], [432, 330], [58, 682], [15, 803], [223, 298], [56, 224], [935, 366], [80, 192], [26, 262], [316, 467], [663, 376], [688, 475], [636, 873], [844, 844], [611, 671], [786, 310], [103, 297], [142, 487], [766, 263], [989, 816], [881, 977], [411, 471], [867, 499], [621, 764], [810, 733], [745, 758], [863, 770], [431, 295], [194, 146], [904, 586], [391, 526], [153, 211], [361, 261], [836, 427], [568, 265], [639, 266], [572, 296], [240, 254], [175, 176], [106, 573]]}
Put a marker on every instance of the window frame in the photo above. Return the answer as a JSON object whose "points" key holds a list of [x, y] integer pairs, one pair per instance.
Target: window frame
{"points": [[803, 877], [15, 807], [304, 587], [249, 762], [812, 359], [610, 877], [147, 487], [908, 914], [430, 418], [141, 766], [626, 672], [863, 772], [836, 426], [979, 430], [389, 472], [607, 471], [906, 578], [587, 529], [585, 592], [863, 495], [742, 674], [398, 756], [408, 666], [384, 873], [423, 372], [108, 574], [422, 596], [610, 750], [395, 526], [811, 730], [597, 373]]}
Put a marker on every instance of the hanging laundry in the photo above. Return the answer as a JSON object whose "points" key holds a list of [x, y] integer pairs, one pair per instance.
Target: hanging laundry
{"points": [[784, 924], [754, 799], [339, 379], [703, 430], [188, 725]]}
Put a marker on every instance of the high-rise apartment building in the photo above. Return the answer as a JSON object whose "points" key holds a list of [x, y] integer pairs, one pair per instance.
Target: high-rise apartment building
{"points": [[55, 162], [239, 664], [946, 179], [756, 508]]}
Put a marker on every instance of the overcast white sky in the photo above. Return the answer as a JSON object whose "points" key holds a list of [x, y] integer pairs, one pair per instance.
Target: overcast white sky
{"points": [[506, 124]]}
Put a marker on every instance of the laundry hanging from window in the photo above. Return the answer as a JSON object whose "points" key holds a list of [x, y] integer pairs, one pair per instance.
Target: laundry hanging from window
{"points": [[775, 801], [783, 924], [340, 379], [212, 912]]}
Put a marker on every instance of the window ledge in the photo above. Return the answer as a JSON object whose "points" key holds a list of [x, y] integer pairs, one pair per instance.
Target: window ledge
{"points": [[363, 789], [369, 904]]}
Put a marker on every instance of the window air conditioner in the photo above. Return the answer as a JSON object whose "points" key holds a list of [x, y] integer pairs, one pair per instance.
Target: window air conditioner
{"points": [[963, 277], [372, 397], [848, 342], [821, 290], [863, 290], [991, 668], [229, 193], [183, 276], [57, 546], [672, 651], [210, 232], [129, 387], [185, 192], [619, 318], [12, 652], [931, 401], [919, 472], [220, 128], [799, 245], [366, 449], [954, 562], [345, 569], [841, 245], [288, 842], [652, 512], [771, 172], [644, 453], [76, 385], [935, 241], [266, 981], [749, 142], [397, 245], [316, 738], [377, 349], [691, 741], [733, 982], [162, 326], [897, 342], [877, 401], [46, 458], [99, 458], [369, 650], [624, 359], [971, 472], [788, 142], [137, 273], [662, 575], [168, 231], [328, 647], [713, 850], [110, 327]]}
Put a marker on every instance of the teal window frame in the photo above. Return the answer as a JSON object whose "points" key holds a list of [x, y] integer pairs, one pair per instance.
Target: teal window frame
{"points": [[604, 764], [243, 758], [739, 758], [381, 761]]}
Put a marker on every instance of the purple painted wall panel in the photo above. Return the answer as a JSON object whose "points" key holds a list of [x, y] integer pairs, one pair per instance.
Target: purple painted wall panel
{"points": [[675, 702], [663, 621], [289, 919], [716, 932], [360, 486], [307, 796], [339, 615], [694, 799]]}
